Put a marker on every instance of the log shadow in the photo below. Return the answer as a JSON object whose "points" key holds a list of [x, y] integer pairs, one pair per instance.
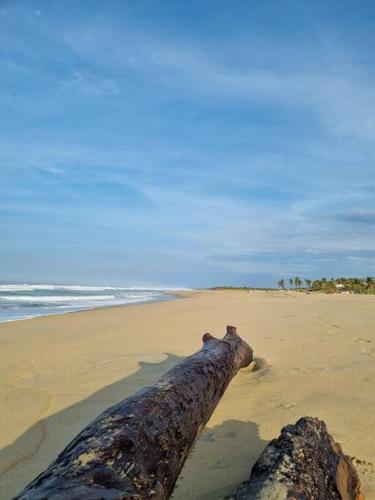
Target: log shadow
{"points": [[37, 447], [219, 462]]}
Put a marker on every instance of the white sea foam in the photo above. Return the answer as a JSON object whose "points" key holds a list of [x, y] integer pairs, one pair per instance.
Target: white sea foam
{"points": [[78, 288], [55, 298], [27, 300]]}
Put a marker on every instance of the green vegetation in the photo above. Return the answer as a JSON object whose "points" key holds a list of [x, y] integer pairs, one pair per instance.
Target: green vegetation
{"points": [[333, 285]]}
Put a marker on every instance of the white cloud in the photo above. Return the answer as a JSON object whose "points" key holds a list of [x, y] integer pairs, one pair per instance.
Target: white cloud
{"points": [[93, 85], [341, 96]]}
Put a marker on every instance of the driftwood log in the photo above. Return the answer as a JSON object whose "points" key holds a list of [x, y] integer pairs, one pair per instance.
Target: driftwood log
{"points": [[303, 463], [136, 449]]}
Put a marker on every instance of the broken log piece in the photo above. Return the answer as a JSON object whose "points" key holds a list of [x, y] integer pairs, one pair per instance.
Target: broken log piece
{"points": [[136, 449], [303, 463]]}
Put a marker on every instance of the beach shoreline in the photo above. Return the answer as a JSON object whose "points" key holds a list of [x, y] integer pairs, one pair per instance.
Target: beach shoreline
{"points": [[167, 298], [316, 358]]}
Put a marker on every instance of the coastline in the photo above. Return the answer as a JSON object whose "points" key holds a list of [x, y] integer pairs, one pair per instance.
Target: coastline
{"points": [[164, 296], [316, 357]]}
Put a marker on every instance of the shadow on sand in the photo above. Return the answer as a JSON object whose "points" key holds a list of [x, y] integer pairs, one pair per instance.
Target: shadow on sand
{"points": [[221, 459]]}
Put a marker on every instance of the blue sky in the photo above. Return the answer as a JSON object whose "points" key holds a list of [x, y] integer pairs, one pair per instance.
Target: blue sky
{"points": [[186, 143]]}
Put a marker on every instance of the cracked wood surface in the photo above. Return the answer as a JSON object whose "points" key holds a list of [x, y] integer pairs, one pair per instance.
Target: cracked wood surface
{"points": [[137, 448], [303, 463]]}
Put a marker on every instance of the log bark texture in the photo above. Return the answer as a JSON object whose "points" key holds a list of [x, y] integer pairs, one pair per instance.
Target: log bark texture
{"points": [[303, 463], [136, 449]]}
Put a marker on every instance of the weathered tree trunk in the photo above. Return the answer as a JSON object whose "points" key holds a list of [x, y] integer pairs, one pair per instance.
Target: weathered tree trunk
{"points": [[136, 449], [303, 463]]}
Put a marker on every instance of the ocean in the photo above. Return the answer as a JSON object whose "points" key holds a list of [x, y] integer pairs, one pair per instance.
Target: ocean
{"points": [[27, 300]]}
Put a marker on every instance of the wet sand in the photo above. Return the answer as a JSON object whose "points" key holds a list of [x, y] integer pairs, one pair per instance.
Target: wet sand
{"points": [[317, 357]]}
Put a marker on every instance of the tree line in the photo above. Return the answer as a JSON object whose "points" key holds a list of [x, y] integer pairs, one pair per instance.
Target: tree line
{"points": [[333, 285], [294, 283]]}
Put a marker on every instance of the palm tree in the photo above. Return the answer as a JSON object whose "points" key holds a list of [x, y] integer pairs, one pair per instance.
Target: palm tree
{"points": [[297, 282], [291, 282], [281, 284], [307, 283]]}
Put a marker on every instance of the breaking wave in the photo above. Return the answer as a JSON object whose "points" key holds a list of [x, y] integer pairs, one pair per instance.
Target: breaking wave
{"points": [[27, 300]]}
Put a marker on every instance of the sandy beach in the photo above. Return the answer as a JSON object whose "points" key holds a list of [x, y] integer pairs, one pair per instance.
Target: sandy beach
{"points": [[316, 354]]}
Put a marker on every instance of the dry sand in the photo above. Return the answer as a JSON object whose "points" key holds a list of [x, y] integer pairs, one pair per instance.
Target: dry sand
{"points": [[59, 372]]}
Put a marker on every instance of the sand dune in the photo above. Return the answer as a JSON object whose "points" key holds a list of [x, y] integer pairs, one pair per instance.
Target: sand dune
{"points": [[316, 356]]}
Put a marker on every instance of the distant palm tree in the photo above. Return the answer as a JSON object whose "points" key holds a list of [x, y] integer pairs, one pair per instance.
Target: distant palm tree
{"points": [[281, 284], [297, 282], [307, 283], [291, 282]]}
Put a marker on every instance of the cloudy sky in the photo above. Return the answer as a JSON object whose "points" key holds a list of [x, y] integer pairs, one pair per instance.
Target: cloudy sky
{"points": [[174, 142]]}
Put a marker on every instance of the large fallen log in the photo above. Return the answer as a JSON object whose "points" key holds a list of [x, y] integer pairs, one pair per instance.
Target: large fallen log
{"points": [[136, 449], [303, 463]]}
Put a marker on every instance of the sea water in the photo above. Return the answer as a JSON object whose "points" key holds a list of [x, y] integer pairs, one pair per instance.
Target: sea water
{"points": [[26, 300]]}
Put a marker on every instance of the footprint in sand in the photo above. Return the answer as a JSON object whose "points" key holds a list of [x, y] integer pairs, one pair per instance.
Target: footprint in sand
{"points": [[333, 329], [363, 341], [368, 352]]}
